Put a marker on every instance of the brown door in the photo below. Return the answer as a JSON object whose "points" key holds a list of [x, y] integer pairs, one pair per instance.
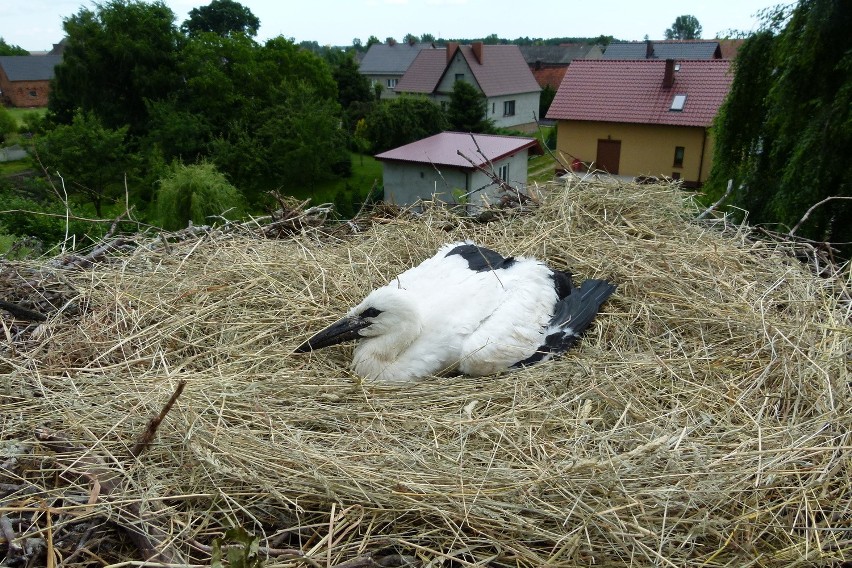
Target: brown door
{"points": [[609, 154]]}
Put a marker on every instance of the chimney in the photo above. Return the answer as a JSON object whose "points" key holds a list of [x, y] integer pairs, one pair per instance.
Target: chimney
{"points": [[452, 48], [477, 51], [649, 49], [669, 77]]}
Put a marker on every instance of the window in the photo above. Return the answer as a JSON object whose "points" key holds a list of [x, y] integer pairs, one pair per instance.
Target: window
{"points": [[459, 76], [509, 108], [503, 172], [677, 102], [392, 83], [678, 159]]}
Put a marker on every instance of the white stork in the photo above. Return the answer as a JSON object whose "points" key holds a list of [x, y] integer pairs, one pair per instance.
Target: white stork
{"points": [[466, 309]]}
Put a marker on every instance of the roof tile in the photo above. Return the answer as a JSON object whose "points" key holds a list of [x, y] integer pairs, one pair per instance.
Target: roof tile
{"points": [[442, 149], [393, 59], [29, 67], [503, 71], [632, 91]]}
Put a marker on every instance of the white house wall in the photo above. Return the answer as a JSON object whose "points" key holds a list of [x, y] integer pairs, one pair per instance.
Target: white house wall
{"points": [[525, 103], [491, 193], [387, 92], [526, 109], [405, 182]]}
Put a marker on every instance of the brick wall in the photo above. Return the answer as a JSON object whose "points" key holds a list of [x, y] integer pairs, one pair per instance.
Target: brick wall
{"points": [[24, 93]]}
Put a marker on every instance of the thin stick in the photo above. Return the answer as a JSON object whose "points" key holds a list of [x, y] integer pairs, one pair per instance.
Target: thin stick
{"points": [[719, 202], [811, 210], [151, 430]]}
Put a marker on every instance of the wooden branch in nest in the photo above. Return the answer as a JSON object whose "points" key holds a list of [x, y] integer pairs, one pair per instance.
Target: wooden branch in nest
{"points": [[713, 207], [22, 312], [292, 217], [151, 541], [151, 430], [811, 210], [522, 198], [97, 254]]}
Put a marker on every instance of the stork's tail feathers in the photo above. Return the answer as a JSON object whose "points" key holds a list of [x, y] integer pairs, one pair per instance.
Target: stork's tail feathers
{"points": [[573, 314]]}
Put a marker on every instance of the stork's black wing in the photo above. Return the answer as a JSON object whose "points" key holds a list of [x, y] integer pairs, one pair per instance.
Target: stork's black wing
{"points": [[480, 259]]}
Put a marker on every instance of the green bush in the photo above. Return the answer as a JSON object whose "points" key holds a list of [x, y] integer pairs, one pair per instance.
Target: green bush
{"points": [[8, 124], [195, 193]]}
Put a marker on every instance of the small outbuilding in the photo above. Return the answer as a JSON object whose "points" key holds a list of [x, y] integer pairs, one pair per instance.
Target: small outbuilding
{"points": [[452, 166]]}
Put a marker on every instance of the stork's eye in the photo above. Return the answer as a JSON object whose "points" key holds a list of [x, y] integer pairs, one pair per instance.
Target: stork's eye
{"points": [[370, 313]]}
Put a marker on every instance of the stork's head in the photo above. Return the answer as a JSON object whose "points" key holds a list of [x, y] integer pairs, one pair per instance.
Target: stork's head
{"points": [[386, 313]]}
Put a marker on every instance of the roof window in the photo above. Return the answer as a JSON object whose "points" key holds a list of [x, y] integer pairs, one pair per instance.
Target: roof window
{"points": [[677, 102]]}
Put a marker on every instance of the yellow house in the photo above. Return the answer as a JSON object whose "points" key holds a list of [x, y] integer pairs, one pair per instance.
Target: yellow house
{"points": [[647, 117]]}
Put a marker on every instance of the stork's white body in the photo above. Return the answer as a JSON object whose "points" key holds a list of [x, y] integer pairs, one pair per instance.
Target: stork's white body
{"points": [[450, 313]]}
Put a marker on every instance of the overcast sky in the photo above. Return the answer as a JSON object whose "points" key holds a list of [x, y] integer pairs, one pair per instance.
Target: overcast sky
{"points": [[37, 24]]}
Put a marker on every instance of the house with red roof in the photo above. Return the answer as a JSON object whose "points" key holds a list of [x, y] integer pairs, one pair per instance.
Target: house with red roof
{"points": [[448, 167], [646, 117], [548, 63], [498, 71]]}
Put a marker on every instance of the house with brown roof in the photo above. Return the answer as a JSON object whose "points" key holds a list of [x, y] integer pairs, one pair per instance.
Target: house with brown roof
{"points": [[646, 117], [438, 167], [385, 63], [25, 79], [548, 63], [498, 71]]}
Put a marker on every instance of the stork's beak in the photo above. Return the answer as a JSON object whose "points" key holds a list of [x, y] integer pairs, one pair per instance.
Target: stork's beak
{"points": [[338, 332]]}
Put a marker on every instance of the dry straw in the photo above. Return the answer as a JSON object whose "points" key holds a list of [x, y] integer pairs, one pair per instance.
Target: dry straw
{"points": [[705, 419]]}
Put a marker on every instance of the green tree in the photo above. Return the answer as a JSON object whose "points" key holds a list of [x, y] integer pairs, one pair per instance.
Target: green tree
{"points": [[91, 158], [411, 39], [427, 38], [291, 144], [372, 40], [467, 108], [402, 120], [8, 124], [784, 132], [117, 57], [195, 193], [8, 49], [548, 93], [353, 90], [222, 17], [684, 27]]}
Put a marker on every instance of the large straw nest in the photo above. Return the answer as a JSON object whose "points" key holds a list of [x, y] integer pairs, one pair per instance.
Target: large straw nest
{"points": [[704, 420]]}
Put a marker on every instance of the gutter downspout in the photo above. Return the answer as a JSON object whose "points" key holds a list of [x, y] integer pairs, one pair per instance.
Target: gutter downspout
{"points": [[701, 162]]}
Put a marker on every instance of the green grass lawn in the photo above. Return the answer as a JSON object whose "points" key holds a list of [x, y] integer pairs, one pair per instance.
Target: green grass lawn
{"points": [[20, 113], [366, 171]]}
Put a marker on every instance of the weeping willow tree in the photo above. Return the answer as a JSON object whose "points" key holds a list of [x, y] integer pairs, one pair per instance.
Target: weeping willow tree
{"points": [[785, 131], [196, 193]]}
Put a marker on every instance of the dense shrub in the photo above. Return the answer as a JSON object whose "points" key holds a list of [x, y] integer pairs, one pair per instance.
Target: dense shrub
{"points": [[195, 193]]}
